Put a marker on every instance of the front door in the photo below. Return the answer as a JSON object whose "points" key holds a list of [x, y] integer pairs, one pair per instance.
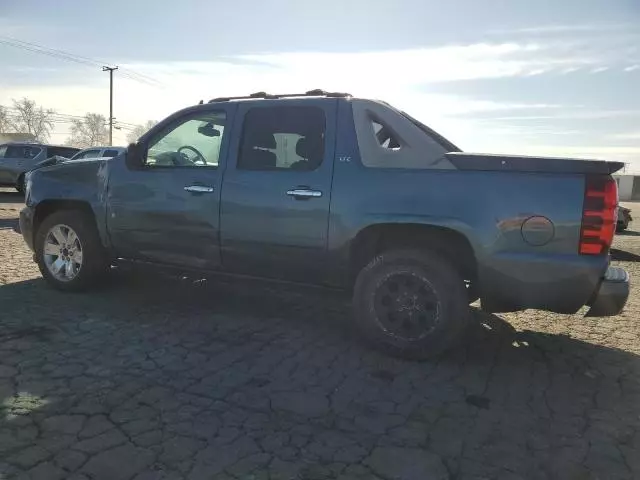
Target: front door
{"points": [[277, 189], [169, 211]]}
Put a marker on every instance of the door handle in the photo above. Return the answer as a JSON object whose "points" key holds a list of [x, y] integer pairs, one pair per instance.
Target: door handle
{"points": [[198, 189], [304, 193]]}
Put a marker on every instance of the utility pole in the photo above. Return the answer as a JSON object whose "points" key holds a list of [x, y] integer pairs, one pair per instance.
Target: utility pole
{"points": [[110, 70]]}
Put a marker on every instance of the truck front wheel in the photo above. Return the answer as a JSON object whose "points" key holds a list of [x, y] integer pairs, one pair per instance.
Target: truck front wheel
{"points": [[411, 304], [69, 252]]}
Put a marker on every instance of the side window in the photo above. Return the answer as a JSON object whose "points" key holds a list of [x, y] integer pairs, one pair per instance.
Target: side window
{"points": [[384, 136], [110, 153], [282, 138], [86, 154], [62, 151], [28, 152], [90, 154], [192, 142]]}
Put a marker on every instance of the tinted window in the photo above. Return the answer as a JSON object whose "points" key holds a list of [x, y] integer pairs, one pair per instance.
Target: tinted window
{"points": [[193, 141], [282, 138], [110, 153], [21, 151], [61, 151]]}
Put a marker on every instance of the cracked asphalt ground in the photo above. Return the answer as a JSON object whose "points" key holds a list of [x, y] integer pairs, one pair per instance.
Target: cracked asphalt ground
{"points": [[156, 379]]}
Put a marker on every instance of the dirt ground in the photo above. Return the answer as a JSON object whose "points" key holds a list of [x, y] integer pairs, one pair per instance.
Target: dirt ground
{"points": [[157, 379]]}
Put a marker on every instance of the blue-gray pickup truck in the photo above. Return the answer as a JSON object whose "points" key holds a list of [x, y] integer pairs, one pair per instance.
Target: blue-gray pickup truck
{"points": [[331, 190]]}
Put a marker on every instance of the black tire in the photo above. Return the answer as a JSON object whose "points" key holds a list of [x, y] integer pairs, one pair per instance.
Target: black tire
{"points": [[444, 288], [94, 258]]}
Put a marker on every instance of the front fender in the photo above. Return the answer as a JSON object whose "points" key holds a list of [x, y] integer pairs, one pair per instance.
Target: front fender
{"points": [[82, 183]]}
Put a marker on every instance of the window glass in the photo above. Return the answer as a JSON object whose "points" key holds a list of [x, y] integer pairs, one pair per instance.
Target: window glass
{"points": [[62, 151], [86, 154], [3, 150], [110, 153], [386, 139], [21, 151], [193, 142], [282, 138]]}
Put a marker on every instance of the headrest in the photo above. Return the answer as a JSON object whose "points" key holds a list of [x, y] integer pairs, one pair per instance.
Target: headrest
{"points": [[259, 138], [310, 148]]}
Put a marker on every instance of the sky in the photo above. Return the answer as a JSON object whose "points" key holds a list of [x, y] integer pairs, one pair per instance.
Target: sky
{"points": [[558, 78]]}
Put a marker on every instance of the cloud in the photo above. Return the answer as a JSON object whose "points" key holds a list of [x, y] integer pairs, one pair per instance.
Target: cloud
{"points": [[572, 29], [632, 68], [400, 76], [625, 136]]}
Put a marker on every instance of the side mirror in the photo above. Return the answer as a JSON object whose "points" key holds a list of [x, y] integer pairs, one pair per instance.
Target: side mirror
{"points": [[133, 159]]}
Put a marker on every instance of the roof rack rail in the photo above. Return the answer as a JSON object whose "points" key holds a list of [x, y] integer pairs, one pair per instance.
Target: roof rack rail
{"points": [[268, 96]]}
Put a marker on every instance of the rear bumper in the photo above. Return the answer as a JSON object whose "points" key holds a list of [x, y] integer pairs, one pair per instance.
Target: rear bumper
{"points": [[26, 225], [552, 283], [612, 294]]}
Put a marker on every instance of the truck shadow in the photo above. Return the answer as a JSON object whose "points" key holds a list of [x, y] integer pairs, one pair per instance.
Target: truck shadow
{"points": [[7, 196], [624, 256], [628, 233], [242, 344], [9, 224]]}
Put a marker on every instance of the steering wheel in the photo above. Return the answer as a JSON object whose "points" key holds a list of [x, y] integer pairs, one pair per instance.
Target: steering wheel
{"points": [[199, 157]]}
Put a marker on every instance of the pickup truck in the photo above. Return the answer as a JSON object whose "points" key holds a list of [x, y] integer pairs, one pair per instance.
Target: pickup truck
{"points": [[349, 193]]}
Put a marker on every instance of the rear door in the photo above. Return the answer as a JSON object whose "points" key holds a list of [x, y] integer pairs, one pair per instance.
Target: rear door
{"points": [[277, 188]]}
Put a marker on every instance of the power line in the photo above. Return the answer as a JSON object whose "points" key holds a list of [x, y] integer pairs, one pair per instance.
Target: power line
{"points": [[65, 118], [79, 59]]}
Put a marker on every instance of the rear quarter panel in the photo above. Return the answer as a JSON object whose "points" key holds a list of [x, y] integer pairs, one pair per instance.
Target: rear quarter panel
{"points": [[489, 209]]}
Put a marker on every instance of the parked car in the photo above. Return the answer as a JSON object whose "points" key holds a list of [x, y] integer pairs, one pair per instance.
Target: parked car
{"points": [[624, 218], [341, 192], [98, 152], [16, 158], [93, 152]]}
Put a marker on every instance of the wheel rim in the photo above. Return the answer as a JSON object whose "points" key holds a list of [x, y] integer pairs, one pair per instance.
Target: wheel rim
{"points": [[406, 306], [63, 253]]}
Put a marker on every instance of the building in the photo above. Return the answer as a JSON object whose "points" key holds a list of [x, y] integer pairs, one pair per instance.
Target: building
{"points": [[628, 187]]}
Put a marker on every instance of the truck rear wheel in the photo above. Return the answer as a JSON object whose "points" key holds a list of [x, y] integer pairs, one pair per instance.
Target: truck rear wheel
{"points": [[69, 252], [411, 304]]}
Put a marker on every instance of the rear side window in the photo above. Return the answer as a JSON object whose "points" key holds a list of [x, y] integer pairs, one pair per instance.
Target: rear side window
{"points": [[384, 136], [110, 153], [61, 151], [20, 151], [87, 154], [282, 138]]}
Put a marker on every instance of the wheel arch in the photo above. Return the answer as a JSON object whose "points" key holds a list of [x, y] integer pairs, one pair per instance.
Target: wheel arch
{"points": [[377, 238], [47, 207]]}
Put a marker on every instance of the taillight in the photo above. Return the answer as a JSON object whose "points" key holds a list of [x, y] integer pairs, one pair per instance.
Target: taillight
{"points": [[598, 215]]}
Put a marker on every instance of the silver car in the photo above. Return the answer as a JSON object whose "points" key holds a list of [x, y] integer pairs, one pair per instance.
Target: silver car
{"points": [[98, 152], [20, 157]]}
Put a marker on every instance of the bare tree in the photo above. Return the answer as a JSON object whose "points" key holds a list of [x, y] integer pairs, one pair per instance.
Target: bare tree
{"points": [[5, 127], [29, 118], [140, 130], [89, 131]]}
